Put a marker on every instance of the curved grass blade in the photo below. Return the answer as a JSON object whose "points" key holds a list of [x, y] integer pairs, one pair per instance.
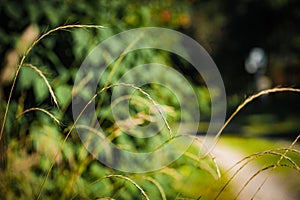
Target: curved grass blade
{"points": [[250, 158], [65, 27], [247, 101], [42, 110], [45, 80], [278, 162], [159, 187], [261, 170]]}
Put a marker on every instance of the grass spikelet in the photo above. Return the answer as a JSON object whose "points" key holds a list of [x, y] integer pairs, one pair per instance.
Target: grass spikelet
{"points": [[204, 166], [120, 177], [42, 110], [271, 152], [45, 80], [171, 172], [247, 101], [144, 93], [65, 27], [248, 159], [278, 162], [159, 187], [260, 171], [153, 102], [80, 114], [251, 98], [131, 181]]}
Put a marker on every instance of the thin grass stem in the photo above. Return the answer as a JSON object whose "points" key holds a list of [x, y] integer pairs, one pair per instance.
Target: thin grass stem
{"points": [[65, 27], [278, 162], [261, 170], [45, 80], [246, 102], [158, 185], [42, 110]]}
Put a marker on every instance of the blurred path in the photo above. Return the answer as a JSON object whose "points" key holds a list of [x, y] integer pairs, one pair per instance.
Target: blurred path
{"points": [[273, 189]]}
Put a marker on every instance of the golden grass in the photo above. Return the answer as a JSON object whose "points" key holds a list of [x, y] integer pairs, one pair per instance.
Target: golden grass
{"points": [[80, 114], [278, 163], [246, 102], [123, 178], [251, 157], [42, 110], [65, 27], [159, 187], [258, 172], [248, 159], [241, 106], [144, 93], [45, 80], [21, 63]]}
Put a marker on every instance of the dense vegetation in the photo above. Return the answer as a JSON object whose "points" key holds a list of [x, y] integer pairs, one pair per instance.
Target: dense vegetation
{"points": [[42, 155]]}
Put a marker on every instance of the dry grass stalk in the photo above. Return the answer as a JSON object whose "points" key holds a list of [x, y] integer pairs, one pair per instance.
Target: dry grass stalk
{"points": [[159, 187], [80, 114], [261, 170], [42, 110], [65, 27], [147, 95], [45, 80], [278, 162], [250, 158], [247, 101], [127, 179]]}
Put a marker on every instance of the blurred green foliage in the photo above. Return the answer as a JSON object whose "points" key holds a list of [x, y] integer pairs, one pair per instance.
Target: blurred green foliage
{"points": [[35, 139]]}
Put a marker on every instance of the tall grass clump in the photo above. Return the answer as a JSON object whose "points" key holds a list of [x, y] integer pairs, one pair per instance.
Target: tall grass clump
{"points": [[47, 160]]}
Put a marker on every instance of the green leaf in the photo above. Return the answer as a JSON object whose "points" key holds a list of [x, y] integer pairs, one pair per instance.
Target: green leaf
{"points": [[63, 94], [25, 78], [40, 89]]}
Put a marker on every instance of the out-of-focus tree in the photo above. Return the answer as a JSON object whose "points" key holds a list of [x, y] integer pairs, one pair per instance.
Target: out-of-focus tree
{"points": [[230, 29]]}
